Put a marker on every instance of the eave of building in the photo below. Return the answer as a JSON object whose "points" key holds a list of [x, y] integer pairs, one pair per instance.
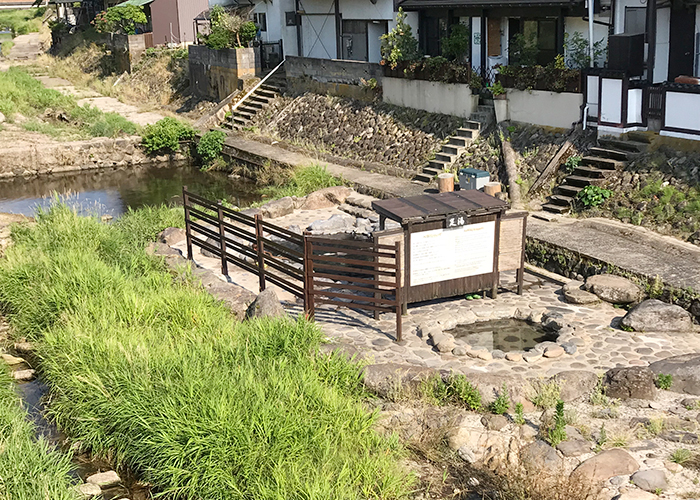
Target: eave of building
{"points": [[456, 4]]}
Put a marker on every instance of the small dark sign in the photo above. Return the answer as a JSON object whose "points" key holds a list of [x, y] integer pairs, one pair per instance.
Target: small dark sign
{"points": [[456, 220]]}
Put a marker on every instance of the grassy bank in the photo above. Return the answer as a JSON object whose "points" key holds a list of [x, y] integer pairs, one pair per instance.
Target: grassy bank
{"points": [[29, 469], [279, 182], [159, 375], [21, 21], [24, 99]]}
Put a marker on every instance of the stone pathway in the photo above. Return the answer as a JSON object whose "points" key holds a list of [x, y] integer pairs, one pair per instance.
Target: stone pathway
{"points": [[105, 104], [595, 341]]}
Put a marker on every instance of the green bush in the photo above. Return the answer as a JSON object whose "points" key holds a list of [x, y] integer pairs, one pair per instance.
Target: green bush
{"points": [[120, 19], [664, 382], [159, 376], [557, 433], [21, 22], [593, 196], [501, 404], [228, 30], [399, 44], [29, 468], [165, 135], [463, 392], [210, 146], [456, 46]]}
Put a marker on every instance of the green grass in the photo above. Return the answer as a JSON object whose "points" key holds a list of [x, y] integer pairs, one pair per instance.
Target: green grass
{"points": [[304, 180], [21, 21], [29, 468], [159, 376], [21, 93], [6, 47]]}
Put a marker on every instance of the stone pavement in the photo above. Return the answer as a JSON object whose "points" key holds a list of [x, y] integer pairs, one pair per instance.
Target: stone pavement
{"points": [[595, 341], [390, 185], [628, 247], [105, 104]]}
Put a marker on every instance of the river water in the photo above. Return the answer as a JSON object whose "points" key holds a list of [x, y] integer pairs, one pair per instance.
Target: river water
{"points": [[112, 191]]}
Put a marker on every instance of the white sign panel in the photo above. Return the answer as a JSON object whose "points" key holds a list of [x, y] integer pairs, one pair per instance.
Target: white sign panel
{"points": [[445, 254]]}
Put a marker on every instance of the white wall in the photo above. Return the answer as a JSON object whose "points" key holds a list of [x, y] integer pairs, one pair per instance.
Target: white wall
{"points": [[374, 31], [576, 24], [620, 6], [435, 97], [610, 101], [682, 110], [365, 9], [476, 42], [635, 99], [541, 107], [663, 39]]}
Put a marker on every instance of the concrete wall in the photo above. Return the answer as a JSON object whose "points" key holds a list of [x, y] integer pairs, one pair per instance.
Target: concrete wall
{"points": [[540, 107], [127, 49], [435, 97], [576, 24], [332, 76], [215, 73]]}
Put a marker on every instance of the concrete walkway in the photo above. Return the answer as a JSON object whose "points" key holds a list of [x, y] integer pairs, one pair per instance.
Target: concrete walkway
{"points": [[630, 248], [376, 183], [105, 104]]}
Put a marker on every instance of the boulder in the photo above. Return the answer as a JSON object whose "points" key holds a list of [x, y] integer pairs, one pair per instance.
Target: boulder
{"points": [[24, 375], [316, 200], [335, 194], [266, 304], [539, 456], [614, 289], [171, 236], [11, 360], [575, 294], [392, 380], [635, 382], [494, 422], [574, 447], [685, 370], [335, 224], [235, 297], [480, 444], [603, 466], [277, 208], [212, 242], [104, 479], [553, 351], [86, 491], [655, 316], [650, 480], [2, 118], [575, 384], [636, 495]]}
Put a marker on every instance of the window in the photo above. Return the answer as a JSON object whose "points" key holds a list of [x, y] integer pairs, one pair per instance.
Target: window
{"points": [[635, 20], [260, 20]]}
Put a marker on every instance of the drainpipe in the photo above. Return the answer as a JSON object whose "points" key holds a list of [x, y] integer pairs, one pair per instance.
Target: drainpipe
{"points": [[590, 31]]}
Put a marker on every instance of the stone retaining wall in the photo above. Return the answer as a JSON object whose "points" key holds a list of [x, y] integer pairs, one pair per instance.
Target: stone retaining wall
{"points": [[332, 76], [79, 155], [215, 73]]}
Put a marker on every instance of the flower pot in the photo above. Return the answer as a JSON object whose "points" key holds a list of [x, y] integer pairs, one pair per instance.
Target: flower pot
{"points": [[446, 182], [500, 106]]}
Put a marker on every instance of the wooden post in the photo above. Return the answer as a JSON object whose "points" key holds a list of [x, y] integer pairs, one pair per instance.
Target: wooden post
{"points": [[446, 182], [188, 229], [521, 271], [399, 299], [261, 250], [222, 239], [308, 276], [497, 250]]}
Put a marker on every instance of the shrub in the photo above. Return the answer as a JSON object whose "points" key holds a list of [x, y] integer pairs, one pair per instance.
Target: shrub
{"points": [[210, 145], [21, 22], [577, 51], [593, 196], [456, 46], [664, 382], [463, 392], [557, 433], [165, 135], [228, 30], [399, 44], [546, 394], [681, 456], [120, 19], [501, 404], [519, 418], [497, 89], [303, 181], [572, 163], [523, 51]]}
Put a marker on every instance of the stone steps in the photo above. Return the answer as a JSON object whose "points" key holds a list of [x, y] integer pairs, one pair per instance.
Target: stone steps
{"points": [[257, 101]]}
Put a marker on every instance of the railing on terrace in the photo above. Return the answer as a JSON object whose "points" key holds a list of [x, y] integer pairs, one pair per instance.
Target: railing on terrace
{"points": [[354, 274]]}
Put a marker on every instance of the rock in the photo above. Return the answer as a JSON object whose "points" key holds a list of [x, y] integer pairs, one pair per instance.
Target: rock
{"points": [[532, 356], [655, 316], [163, 250], [680, 437], [574, 447], [494, 422], [635, 382], [335, 194], [2, 118], [636, 495], [445, 345], [214, 243], [553, 321], [236, 298], [171, 236], [614, 289], [528, 432], [278, 208], [266, 304], [685, 370], [553, 351], [485, 445], [574, 294], [619, 480], [24, 347], [539, 456], [24, 375], [391, 380], [459, 351], [673, 466], [316, 200], [335, 224], [104, 479], [603, 466], [11, 360], [88, 490], [466, 454], [650, 480], [514, 356], [575, 384]]}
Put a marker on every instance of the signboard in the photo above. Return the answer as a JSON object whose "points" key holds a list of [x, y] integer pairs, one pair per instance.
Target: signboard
{"points": [[445, 254]]}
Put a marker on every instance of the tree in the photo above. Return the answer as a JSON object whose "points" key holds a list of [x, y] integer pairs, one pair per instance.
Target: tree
{"points": [[399, 44], [456, 46], [228, 30], [120, 19], [577, 53]]}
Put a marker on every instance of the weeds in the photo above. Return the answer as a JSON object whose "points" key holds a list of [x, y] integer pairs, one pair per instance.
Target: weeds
{"points": [[519, 419], [165, 136], [501, 404], [159, 376], [29, 468], [557, 433], [681, 456], [664, 382], [21, 22], [303, 181], [546, 394], [655, 426], [6, 47], [457, 390], [210, 147], [598, 397]]}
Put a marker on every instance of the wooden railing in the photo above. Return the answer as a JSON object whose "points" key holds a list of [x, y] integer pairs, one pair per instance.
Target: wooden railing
{"points": [[355, 274]]}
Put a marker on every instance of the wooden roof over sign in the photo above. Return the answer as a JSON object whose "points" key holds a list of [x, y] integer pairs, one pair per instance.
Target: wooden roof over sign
{"points": [[430, 207]]}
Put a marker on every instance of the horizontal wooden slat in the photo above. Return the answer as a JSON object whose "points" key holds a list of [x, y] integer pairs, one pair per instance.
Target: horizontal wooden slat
{"points": [[350, 251], [366, 272], [287, 252], [247, 251], [251, 268], [243, 218], [353, 279], [240, 233], [198, 200], [203, 244], [352, 305], [284, 268], [204, 230], [285, 285], [335, 243], [383, 291], [362, 263], [360, 298], [283, 233]]}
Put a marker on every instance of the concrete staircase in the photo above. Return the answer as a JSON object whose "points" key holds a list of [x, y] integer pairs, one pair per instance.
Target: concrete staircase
{"points": [[485, 114], [609, 158], [274, 86], [450, 152]]}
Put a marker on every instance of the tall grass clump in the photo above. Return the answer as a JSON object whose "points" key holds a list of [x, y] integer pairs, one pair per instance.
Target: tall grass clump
{"points": [[159, 376], [29, 468], [21, 21], [53, 113], [302, 181]]}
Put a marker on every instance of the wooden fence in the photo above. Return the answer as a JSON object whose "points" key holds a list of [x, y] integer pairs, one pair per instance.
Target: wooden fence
{"points": [[354, 274]]}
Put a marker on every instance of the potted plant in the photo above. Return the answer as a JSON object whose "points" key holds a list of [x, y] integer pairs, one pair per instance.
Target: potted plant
{"points": [[500, 102]]}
